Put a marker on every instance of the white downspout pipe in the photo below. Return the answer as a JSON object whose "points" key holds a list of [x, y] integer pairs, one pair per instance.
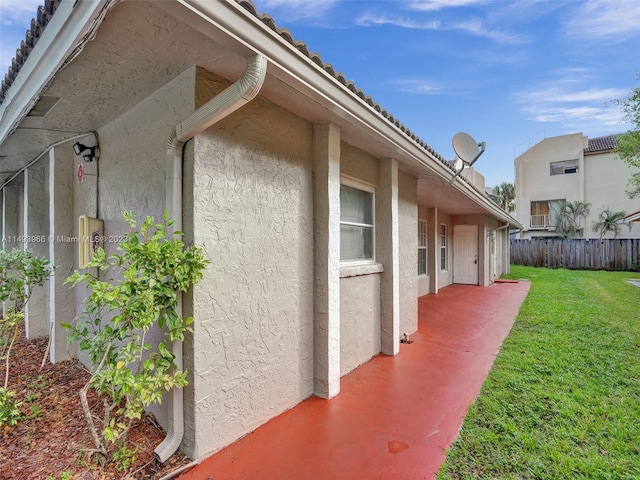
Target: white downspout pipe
{"points": [[232, 98]]}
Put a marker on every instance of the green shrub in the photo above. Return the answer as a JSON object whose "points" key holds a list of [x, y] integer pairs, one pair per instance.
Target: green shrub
{"points": [[132, 291]]}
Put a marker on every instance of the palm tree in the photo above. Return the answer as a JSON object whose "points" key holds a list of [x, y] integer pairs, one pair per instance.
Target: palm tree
{"points": [[567, 217], [504, 195], [610, 222]]}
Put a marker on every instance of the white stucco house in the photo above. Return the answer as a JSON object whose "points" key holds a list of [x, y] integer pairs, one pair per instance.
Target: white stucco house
{"points": [[323, 216], [571, 168]]}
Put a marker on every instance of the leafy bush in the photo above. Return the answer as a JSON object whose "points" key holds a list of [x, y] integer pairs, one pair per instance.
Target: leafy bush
{"points": [[20, 273], [9, 408], [131, 292]]}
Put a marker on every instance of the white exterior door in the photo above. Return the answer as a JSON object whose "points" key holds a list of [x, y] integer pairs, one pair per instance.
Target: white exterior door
{"points": [[465, 254]]}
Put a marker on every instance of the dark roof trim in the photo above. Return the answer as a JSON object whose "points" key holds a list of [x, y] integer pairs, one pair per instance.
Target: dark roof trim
{"points": [[38, 24], [327, 67], [600, 145]]}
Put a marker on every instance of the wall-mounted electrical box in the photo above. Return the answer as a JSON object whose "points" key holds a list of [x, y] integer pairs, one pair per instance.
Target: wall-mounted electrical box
{"points": [[90, 238]]}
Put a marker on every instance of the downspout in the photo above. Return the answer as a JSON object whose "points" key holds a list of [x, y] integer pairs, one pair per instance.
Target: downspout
{"points": [[231, 99]]}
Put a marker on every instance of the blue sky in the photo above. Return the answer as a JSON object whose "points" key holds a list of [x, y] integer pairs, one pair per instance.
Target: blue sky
{"points": [[507, 72]]}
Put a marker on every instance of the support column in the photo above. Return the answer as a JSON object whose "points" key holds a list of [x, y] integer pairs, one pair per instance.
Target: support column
{"points": [[433, 248], [11, 203], [61, 250], [388, 253], [326, 259], [36, 234]]}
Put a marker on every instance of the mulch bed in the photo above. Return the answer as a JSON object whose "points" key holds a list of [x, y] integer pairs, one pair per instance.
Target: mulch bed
{"points": [[53, 440]]}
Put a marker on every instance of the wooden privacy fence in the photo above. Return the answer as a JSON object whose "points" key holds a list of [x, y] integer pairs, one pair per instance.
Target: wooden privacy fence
{"points": [[577, 253]]}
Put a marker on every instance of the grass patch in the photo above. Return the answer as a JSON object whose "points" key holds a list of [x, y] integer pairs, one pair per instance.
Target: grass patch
{"points": [[563, 397]]}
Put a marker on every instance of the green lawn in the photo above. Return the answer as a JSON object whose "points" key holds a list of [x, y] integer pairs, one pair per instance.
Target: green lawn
{"points": [[563, 398]]}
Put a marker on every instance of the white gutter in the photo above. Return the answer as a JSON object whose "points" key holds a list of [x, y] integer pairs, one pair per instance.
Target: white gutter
{"points": [[232, 98]]}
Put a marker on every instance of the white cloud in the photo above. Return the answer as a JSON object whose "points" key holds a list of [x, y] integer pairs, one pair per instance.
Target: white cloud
{"points": [[15, 20], [616, 21], [560, 95], [476, 27], [18, 12], [570, 102], [417, 86], [479, 28], [294, 10], [434, 5], [368, 19]]}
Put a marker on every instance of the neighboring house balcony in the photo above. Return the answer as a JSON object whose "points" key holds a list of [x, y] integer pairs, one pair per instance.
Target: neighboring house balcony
{"points": [[542, 222]]}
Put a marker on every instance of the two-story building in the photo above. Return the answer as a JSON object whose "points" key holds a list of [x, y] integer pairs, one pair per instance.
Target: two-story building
{"points": [[571, 168]]}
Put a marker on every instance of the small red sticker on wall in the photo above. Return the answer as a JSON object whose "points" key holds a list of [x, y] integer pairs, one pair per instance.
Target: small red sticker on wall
{"points": [[80, 173]]}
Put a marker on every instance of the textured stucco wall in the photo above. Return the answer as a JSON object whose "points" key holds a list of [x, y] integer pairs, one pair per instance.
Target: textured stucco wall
{"points": [[358, 164], [36, 228], [534, 181], [408, 229], [359, 320], [130, 173], [606, 178], [12, 212], [252, 351]]}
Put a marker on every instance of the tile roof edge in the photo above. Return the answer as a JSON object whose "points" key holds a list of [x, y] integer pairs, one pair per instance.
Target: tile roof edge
{"points": [[301, 46], [37, 27]]}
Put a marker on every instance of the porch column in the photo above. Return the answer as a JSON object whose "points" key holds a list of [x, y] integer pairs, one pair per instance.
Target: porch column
{"points": [[61, 250], [326, 259], [388, 254], [433, 248], [36, 235]]}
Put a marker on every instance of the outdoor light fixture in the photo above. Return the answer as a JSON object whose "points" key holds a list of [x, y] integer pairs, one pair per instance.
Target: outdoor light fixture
{"points": [[88, 153]]}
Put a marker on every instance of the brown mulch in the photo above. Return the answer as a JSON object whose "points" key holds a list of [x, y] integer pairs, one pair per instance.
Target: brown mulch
{"points": [[53, 440]]}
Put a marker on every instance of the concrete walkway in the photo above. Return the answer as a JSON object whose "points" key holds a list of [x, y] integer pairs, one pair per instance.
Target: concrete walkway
{"points": [[395, 416]]}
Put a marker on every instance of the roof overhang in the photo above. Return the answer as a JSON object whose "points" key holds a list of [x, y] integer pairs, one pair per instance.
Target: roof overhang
{"points": [[294, 81], [64, 34]]}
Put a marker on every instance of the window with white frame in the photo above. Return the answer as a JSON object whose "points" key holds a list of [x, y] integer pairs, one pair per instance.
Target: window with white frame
{"points": [[422, 247], [443, 246], [356, 222]]}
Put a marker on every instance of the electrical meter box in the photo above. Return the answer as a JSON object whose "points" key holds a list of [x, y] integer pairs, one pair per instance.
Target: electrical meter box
{"points": [[90, 238]]}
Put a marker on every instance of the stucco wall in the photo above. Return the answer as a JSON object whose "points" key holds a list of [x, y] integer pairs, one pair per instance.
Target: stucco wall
{"points": [[359, 320], [358, 164], [130, 173], [408, 237], [606, 178], [252, 351], [37, 228], [534, 181]]}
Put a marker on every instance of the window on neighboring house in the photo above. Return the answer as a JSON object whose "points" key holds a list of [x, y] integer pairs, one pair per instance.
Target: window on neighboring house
{"points": [[422, 247], [356, 223], [542, 213], [443, 246], [564, 167]]}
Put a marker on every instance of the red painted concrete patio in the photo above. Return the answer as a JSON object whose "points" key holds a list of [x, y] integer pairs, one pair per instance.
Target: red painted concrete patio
{"points": [[395, 416]]}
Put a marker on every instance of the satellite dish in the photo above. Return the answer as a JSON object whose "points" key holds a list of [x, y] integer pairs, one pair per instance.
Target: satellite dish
{"points": [[466, 148]]}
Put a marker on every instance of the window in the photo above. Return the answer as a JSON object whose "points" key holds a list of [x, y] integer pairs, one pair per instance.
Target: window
{"points": [[542, 213], [562, 168], [356, 224], [443, 247], [422, 247]]}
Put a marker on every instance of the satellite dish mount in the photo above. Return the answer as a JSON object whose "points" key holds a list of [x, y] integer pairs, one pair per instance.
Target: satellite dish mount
{"points": [[467, 151]]}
